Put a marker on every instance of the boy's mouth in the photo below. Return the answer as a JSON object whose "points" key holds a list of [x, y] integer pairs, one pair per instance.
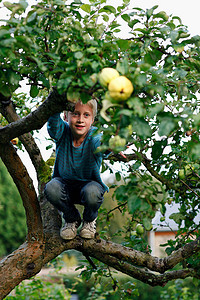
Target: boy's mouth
{"points": [[79, 126]]}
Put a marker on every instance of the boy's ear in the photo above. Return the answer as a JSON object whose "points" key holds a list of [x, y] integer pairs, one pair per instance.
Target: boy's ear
{"points": [[65, 116]]}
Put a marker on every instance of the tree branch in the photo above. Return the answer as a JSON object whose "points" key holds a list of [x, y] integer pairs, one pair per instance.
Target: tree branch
{"points": [[147, 163], [29, 259], [27, 139], [35, 120], [145, 275], [100, 248], [22, 264]]}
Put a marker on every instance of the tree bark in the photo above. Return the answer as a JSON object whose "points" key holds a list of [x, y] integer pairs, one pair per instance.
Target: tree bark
{"points": [[35, 120], [21, 264], [27, 139]]}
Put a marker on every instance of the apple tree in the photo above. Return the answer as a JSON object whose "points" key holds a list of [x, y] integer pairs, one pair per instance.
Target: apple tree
{"points": [[58, 48]]}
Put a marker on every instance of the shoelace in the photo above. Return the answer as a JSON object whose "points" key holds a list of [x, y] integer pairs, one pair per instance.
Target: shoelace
{"points": [[70, 225], [91, 225]]}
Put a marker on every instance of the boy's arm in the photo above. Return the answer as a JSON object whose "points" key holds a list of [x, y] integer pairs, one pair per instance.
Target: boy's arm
{"points": [[97, 143], [55, 127]]}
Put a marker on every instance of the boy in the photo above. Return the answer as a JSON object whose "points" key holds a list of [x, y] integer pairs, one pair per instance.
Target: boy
{"points": [[76, 177]]}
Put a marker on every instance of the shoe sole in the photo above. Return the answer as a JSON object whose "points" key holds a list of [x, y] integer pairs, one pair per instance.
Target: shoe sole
{"points": [[87, 236]]}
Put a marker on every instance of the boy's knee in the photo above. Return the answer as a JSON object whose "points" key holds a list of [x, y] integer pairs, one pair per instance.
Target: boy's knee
{"points": [[52, 189], [92, 193]]}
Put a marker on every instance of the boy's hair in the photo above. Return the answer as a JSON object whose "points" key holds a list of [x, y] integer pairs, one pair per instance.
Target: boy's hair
{"points": [[92, 103]]}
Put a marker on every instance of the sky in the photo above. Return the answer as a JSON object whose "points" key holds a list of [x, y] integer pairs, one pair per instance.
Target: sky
{"points": [[188, 11]]}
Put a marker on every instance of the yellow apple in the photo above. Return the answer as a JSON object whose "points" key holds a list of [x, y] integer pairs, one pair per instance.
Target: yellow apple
{"points": [[120, 88], [116, 142], [106, 75]]}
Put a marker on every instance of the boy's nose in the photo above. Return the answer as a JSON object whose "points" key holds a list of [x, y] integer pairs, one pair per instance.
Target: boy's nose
{"points": [[80, 119]]}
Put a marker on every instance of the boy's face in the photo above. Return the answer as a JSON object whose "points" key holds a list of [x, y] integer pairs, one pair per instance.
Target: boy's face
{"points": [[80, 120]]}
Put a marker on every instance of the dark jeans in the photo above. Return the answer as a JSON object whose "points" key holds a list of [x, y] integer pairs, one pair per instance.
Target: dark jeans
{"points": [[63, 194]]}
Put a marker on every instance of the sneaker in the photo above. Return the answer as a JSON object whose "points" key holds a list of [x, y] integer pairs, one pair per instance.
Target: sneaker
{"points": [[88, 230], [69, 230]]}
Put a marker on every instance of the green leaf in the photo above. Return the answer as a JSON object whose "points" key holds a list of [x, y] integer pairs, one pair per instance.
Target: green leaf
{"points": [[177, 217], [44, 80], [158, 148], [125, 17], [5, 91], [16, 7], [4, 32], [105, 18], [31, 17], [63, 84], [162, 15], [141, 80], [195, 152], [180, 73], [141, 127], [134, 203], [155, 109], [166, 126], [153, 57], [132, 23], [118, 176], [8, 5], [78, 55], [24, 42], [108, 9], [149, 12], [13, 78], [7, 42], [126, 1], [196, 119], [177, 18], [85, 97], [174, 35], [136, 104], [40, 64], [123, 44], [123, 66], [72, 94], [23, 4], [86, 8], [34, 91], [147, 224]]}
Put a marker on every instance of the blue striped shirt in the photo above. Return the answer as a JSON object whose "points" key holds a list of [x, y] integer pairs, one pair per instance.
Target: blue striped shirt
{"points": [[75, 163]]}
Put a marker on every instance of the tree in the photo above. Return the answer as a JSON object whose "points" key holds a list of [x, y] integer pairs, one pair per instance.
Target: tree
{"points": [[58, 48]]}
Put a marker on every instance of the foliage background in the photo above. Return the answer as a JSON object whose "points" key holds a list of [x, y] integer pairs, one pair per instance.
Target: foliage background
{"points": [[12, 216]]}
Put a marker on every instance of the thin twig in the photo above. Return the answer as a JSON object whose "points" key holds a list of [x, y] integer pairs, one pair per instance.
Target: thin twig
{"points": [[190, 188], [90, 261]]}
